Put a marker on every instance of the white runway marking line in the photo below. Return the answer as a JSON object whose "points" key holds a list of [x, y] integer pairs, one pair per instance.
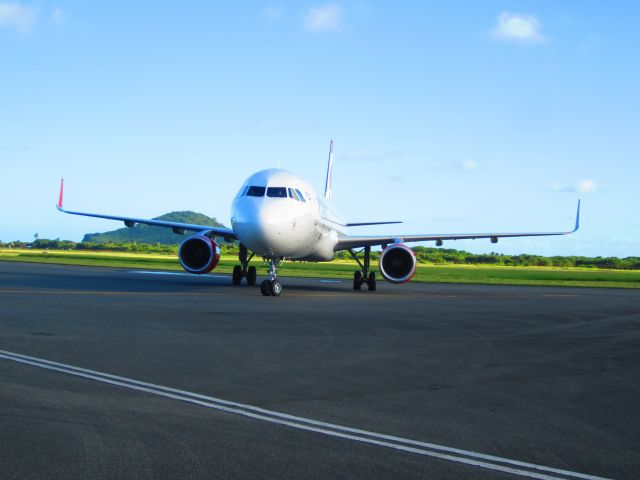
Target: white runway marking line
{"points": [[467, 457], [180, 274]]}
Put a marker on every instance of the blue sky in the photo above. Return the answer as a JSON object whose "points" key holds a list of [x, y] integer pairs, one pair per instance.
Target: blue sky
{"points": [[450, 116]]}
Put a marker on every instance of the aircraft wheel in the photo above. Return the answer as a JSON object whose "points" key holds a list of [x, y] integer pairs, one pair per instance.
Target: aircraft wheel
{"points": [[371, 282], [251, 276], [265, 288], [276, 288], [236, 277], [357, 280]]}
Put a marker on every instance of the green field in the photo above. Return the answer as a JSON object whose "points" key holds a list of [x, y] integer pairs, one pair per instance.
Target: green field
{"points": [[582, 277]]}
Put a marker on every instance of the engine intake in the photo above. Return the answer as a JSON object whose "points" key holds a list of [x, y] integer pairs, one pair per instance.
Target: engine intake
{"points": [[397, 263], [199, 254]]}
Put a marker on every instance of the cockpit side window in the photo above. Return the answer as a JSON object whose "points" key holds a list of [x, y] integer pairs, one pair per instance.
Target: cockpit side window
{"points": [[293, 194], [255, 191], [277, 192], [300, 195]]}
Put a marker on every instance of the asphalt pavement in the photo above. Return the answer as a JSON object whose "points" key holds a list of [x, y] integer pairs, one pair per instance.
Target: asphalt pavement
{"points": [[116, 373]]}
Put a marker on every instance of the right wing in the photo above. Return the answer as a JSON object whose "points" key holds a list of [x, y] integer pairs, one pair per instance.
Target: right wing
{"points": [[226, 233], [347, 242]]}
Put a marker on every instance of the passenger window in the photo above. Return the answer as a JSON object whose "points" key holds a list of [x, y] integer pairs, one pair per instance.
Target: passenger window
{"points": [[277, 192], [300, 195], [254, 191]]}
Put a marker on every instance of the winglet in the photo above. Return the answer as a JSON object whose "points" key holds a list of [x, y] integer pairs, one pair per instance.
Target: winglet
{"points": [[60, 197], [577, 218], [327, 185]]}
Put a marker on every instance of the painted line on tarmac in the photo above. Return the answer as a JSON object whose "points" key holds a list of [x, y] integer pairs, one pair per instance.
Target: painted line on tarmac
{"points": [[289, 294], [456, 455], [561, 295], [101, 292], [180, 274], [159, 272]]}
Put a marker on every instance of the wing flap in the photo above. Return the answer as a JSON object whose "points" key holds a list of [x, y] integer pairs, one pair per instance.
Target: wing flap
{"points": [[362, 224]]}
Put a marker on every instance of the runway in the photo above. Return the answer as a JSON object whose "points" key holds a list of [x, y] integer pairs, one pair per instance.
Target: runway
{"points": [[115, 373]]}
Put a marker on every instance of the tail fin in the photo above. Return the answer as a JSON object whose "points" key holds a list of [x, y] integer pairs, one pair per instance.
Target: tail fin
{"points": [[327, 185]]}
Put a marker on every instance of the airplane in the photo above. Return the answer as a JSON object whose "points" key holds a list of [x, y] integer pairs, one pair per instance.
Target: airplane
{"points": [[278, 215]]}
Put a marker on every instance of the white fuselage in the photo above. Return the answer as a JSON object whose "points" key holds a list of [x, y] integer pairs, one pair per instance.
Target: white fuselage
{"points": [[277, 214]]}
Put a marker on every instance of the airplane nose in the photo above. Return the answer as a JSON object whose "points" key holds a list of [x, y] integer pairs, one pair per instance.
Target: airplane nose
{"points": [[262, 225]]}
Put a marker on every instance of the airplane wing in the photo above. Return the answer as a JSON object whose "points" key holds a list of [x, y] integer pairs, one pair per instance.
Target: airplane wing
{"points": [[347, 242], [226, 233]]}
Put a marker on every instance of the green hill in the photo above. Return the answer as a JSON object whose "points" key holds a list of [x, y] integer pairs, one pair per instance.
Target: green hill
{"points": [[149, 234]]}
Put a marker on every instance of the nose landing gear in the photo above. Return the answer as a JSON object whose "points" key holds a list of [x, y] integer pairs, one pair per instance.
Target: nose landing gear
{"points": [[271, 286], [365, 275], [244, 270]]}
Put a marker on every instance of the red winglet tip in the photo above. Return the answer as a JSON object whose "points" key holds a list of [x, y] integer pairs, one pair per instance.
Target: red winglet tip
{"points": [[61, 193]]}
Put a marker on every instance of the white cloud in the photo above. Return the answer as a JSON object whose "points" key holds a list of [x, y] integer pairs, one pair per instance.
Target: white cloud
{"points": [[15, 15], [273, 12], [57, 16], [583, 186], [324, 18], [518, 27], [469, 164], [360, 156], [586, 186]]}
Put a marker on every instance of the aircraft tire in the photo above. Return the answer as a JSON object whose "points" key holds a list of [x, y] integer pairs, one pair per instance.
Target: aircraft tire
{"points": [[371, 282], [357, 280], [251, 276], [236, 277], [276, 288], [265, 288]]}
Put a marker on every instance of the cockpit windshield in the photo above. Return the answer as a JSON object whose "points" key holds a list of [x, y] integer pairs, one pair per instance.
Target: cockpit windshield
{"points": [[277, 192], [255, 191], [273, 192]]}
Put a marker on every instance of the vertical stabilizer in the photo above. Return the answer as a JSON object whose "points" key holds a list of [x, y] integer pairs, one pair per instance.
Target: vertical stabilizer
{"points": [[327, 185]]}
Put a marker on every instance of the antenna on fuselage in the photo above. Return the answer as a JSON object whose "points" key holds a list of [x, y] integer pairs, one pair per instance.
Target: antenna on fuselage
{"points": [[327, 185]]}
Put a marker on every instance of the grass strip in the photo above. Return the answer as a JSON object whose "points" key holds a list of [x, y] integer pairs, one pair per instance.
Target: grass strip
{"points": [[547, 276]]}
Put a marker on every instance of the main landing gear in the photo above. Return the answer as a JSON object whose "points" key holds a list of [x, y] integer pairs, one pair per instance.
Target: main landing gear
{"points": [[271, 286], [244, 270], [365, 275]]}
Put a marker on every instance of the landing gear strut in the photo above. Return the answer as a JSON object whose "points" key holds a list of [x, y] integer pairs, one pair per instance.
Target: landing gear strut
{"points": [[271, 286], [244, 270], [365, 275]]}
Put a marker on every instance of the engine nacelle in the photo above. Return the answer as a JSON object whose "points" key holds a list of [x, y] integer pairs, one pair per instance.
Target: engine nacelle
{"points": [[199, 254], [398, 263]]}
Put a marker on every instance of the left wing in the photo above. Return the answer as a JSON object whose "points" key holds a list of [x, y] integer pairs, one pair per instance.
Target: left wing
{"points": [[347, 242], [226, 233]]}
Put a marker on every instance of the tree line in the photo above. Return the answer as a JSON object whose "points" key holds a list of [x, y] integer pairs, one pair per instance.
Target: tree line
{"points": [[426, 255]]}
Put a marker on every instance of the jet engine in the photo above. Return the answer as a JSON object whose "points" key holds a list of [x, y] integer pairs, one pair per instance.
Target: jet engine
{"points": [[199, 254], [397, 263]]}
